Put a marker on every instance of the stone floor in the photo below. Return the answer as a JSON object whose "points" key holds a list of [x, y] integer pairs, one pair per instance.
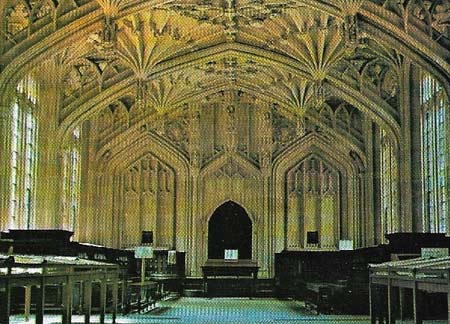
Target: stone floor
{"points": [[221, 310]]}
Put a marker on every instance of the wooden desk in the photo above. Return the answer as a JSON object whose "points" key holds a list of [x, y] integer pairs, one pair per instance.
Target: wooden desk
{"points": [[229, 268], [140, 295]]}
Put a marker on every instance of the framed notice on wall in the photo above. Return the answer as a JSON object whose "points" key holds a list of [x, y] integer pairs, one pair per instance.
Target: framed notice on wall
{"points": [[231, 254]]}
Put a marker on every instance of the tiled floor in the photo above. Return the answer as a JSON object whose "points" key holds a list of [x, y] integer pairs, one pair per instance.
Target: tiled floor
{"points": [[221, 310]]}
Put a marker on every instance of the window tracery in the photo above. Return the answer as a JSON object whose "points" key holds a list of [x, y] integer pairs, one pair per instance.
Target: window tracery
{"points": [[435, 154], [23, 156]]}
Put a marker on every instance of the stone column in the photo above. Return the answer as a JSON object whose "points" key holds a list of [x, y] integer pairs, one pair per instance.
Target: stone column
{"points": [[86, 187], [369, 184], [194, 246], [416, 152], [378, 213], [48, 169], [91, 198], [267, 263], [405, 198], [5, 148]]}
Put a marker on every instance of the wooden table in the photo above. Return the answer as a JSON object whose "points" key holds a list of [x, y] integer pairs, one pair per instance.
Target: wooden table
{"points": [[229, 268]]}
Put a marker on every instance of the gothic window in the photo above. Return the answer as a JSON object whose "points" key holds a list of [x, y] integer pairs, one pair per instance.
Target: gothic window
{"points": [[23, 156], [72, 164], [15, 139], [434, 154], [389, 190], [30, 157]]}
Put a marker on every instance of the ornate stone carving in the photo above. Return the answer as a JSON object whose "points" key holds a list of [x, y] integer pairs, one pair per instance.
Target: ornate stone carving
{"points": [[17, 18], [351, 30], [163, 93], [232, 170], [177, 133], [231, 13], [435, 14], [284, 131], [350, 25], [231, 68], [231, 144], [299, 94], [440, 14], [266, 141], [82, 73], [42, 8]]}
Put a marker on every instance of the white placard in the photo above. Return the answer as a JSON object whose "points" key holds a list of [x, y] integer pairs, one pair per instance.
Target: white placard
{"points": [[172, 257], [345, 245], [143, 252], [231, 254], [434, 252]]}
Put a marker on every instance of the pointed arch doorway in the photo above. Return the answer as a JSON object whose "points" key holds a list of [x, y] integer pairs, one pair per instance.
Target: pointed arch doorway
{"points": [[230, 227]]}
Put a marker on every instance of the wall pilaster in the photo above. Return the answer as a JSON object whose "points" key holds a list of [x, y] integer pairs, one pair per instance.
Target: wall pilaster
{"points": [[416, 151], [376, 149], [48, 186], [5, 141], [406, 222], [369, 216]]}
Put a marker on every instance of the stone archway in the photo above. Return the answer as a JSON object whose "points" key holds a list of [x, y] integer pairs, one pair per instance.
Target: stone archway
{"points": [[229, 227]]}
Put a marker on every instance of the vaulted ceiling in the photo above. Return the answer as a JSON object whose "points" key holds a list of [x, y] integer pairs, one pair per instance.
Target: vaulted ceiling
{"points": [[154, 58]]}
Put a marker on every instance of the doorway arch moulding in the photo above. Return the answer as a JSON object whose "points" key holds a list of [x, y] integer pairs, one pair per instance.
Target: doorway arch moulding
{"points": [[220, 181]]}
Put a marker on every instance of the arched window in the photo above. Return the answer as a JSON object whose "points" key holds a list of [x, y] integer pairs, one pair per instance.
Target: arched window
{"points": [[389, 185], [23, 156], [71, 197], [435, 154]]}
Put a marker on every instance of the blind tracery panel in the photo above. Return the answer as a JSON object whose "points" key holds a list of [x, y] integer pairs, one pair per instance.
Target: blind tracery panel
{"points": [[313, 204], [389, 185], [147, 202], [72, 181]]}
